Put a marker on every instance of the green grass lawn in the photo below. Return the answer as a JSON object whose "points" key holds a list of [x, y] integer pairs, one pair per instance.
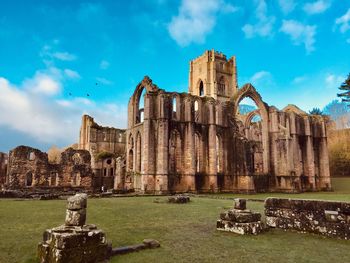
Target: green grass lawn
{"points": [[186, 232]]}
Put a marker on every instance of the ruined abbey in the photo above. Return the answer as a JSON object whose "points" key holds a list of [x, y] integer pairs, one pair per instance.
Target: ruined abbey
{"points": [[198, 141]]}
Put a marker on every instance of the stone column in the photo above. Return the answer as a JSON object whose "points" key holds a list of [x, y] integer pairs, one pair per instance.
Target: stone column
{"points": [[309, 157], [162, 156], [325, 180], [148, 167], [212, 175], [190, 160]]}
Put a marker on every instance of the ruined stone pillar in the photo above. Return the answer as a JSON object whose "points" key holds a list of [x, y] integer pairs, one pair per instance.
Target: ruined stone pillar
{"points": [[162, 156], [273, 141], [325, 180], [309, 168], [149, 158], [212, 175]]}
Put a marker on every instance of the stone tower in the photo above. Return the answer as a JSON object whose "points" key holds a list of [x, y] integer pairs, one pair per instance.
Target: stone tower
{"points": [[213, 75]]}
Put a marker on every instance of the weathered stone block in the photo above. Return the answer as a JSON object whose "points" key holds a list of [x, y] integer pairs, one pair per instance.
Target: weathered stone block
{"points": [[180, 199], [240, 228], [77, 202], [240, 204], [75, 217]]}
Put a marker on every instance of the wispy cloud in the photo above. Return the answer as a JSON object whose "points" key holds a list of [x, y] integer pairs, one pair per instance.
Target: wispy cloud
{"points": [[300, 33], [259, 76], [196, 19], [316, 7], [299, 79], [104, 81], [64, 56], [287, 6], [333, 81], [264, 25], [71, 74], [104, 64], [344, 22]]}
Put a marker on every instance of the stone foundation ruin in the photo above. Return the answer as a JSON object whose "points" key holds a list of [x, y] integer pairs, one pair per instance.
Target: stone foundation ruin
{"points": [[328, 218], [240, 220], [74, 242], [29, 169]]}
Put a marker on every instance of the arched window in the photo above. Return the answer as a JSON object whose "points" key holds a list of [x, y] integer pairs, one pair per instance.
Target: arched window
{"points": [[174, 104], [31, 156], [198, 152], [29, 179], [221, 86], [131, 160], [196, 106], [218, 155], [141, 106], [138, 152], [201, 89]]}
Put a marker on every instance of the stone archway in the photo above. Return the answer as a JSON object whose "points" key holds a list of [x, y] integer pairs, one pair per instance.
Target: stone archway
{"points": [[248, 91]]}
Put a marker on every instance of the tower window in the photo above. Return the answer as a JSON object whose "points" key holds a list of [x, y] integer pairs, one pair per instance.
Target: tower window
{"points": [[201, 89]]}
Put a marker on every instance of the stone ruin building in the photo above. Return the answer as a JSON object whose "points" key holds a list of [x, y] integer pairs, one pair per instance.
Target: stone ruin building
{"points": [[199, 141], [107, 148], [30, 168], [3, 168]]}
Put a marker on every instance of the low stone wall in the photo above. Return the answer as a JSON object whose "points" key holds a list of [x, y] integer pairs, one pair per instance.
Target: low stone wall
{"points": [[327, 218]]}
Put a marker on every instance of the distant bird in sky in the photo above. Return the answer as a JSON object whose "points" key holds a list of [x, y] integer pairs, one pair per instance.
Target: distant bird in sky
{"points": [[88, 94]]}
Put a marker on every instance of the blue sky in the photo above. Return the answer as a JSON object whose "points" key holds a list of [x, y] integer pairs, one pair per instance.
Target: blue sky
{"points": [[52, 54]]}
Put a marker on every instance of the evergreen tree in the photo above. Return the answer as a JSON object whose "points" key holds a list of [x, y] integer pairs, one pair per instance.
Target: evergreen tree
{"points": [[316, 111], [345, 86]]}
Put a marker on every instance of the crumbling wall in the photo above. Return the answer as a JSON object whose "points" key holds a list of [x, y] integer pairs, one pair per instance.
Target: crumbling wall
{"points": [[327, 218], [105, 144], [3, 168], [29, 167]]}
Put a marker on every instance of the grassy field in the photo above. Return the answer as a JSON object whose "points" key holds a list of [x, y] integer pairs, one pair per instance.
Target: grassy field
{"points": [[186, 232]]}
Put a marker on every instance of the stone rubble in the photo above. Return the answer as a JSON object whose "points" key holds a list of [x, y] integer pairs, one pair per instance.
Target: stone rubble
{"points": [[179, 199], [240, 220]]}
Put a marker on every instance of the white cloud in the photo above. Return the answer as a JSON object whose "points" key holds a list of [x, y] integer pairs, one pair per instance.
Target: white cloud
{"points": [[344, 22], [259, 76], [42, 83], [196, 19], [298, 80], [300, 33], [287, 6], [264, 25], [104, 81], [334, 81], [104, 64], [316, 7], [51, 120], [71, 74], [64, 56]]}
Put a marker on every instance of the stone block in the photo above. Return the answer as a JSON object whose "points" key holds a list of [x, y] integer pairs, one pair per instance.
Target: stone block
{"points": [[240, 204], [151, 243], [75, 217], [77, 202], [240, 228]]}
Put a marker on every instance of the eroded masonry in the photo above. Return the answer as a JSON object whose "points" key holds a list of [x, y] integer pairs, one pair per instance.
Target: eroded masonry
{"points": [[202, 141]]}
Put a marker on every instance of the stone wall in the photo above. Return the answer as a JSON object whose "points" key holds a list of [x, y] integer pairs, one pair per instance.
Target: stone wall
{"points": [[30, 168], [105, 145], [327, 218], [3, 168]]}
